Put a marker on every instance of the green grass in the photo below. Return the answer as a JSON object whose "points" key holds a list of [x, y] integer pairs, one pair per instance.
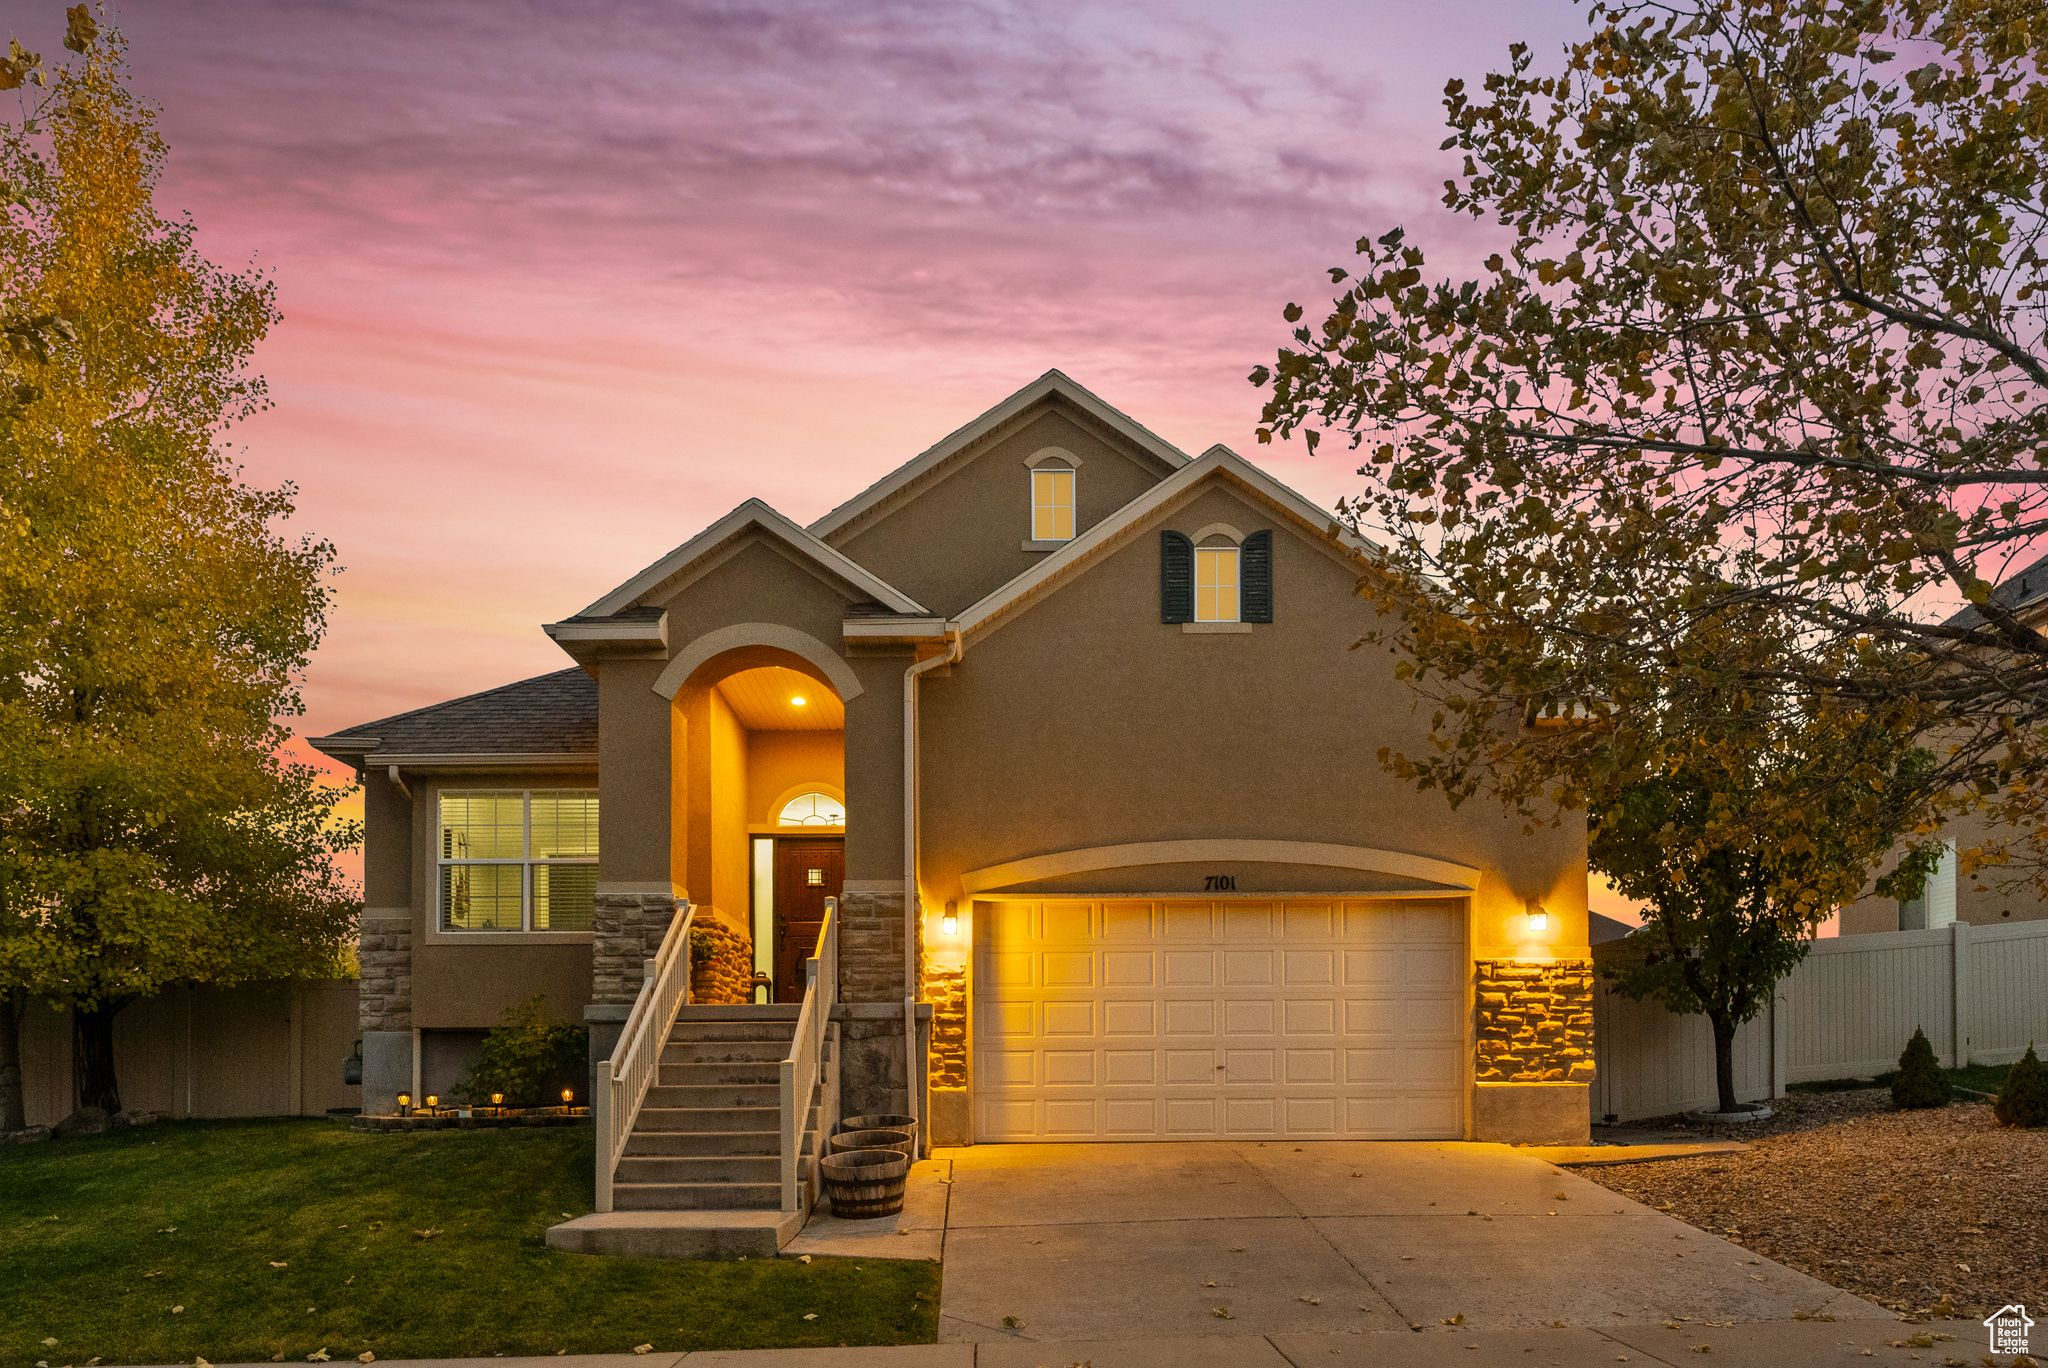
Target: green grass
{"points": [[1984, 1078], [281, 1238]]}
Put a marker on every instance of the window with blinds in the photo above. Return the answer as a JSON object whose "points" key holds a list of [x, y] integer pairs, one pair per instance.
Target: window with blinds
{"points": [[517, 861]]}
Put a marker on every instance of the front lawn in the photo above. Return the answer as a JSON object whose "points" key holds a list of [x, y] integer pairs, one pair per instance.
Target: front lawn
{"points": [[252, 1240], [1932, 1213]]}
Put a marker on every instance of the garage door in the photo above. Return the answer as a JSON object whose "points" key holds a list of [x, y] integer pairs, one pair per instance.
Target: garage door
{"points": [[1167, 1020]]}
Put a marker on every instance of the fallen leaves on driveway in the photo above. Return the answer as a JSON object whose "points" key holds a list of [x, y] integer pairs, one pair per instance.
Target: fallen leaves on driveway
{"points": [[1933, 1213]]}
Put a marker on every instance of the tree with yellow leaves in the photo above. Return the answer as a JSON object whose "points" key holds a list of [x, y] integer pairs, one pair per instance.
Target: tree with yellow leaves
{"points": [[155, 623]]}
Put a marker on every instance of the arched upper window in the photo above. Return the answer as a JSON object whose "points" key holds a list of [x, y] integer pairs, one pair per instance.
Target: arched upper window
{"points": [[1054, 472], [1052, 503], [1217, 575], [812, 809]]}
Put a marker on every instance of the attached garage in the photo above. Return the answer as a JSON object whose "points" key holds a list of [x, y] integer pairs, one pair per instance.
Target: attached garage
{"points": [[1161, 1019]]}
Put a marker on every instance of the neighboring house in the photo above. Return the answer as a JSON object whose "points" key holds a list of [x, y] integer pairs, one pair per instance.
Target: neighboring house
{"points": [[1950, 896], [1074, 728], [1601, 928]]}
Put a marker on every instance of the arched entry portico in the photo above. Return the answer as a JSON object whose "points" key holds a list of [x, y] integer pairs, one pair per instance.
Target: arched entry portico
{"points": [[759, 721]]}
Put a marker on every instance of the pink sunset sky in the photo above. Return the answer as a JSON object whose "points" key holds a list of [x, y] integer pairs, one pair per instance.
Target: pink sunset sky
{"points": [[563, 284]]}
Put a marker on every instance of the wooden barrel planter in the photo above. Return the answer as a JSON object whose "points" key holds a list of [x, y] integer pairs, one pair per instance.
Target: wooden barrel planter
{"points": [[900, 1141], [865, 1182], [880, 1121]]}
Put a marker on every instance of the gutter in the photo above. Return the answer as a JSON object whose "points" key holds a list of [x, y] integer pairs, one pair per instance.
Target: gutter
{"points": [[912, 808]]}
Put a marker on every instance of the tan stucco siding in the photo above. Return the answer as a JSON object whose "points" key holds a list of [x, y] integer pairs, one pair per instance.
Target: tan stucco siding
{"points": [[951, 541], [387, 844], [781, 762], [874, 769], [467, 982], [1083, 721], [728, 776], [758, 582], [633, 743]]}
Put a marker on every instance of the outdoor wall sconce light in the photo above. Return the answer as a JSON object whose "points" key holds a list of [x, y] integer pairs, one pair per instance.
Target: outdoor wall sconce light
{"points": [[404, 1103], [950, 923], [1539, 917]]}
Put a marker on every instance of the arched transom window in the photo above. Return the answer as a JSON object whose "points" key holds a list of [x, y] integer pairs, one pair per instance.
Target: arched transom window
{"points": [[812, 809]]}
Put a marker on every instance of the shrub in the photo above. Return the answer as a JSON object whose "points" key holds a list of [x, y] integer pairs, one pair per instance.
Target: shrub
{"points": [[527, 1057], [1920, 1083], [2023, 1100]]}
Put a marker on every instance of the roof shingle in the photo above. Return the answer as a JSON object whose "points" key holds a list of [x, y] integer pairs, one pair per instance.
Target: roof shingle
{"points": [[2014, 592], [550, 714]]}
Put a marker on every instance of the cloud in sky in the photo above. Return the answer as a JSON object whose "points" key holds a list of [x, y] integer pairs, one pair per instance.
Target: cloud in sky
{"points": [[562, 284]]}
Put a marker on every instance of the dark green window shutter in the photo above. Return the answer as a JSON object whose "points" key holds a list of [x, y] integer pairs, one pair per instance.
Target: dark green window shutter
{"points": [[1176, 577], [1255, 578]]}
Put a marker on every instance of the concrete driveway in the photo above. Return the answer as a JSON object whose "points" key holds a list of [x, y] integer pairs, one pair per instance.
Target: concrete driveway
{"points": [[1084, 1242]]}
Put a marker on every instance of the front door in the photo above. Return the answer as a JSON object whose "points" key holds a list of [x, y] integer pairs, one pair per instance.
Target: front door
{"points": [[808, 870]]}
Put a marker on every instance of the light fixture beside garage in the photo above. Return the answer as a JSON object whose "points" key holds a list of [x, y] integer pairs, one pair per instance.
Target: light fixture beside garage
{"points": [[950, 922], [1539, 917]]}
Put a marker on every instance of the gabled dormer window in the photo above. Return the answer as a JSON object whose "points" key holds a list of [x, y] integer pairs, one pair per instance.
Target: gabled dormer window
{"points": [[1052, 503]]}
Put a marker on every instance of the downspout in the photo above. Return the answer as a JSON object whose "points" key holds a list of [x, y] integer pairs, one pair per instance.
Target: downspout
{"points": [[398, 782], [912, 810]]}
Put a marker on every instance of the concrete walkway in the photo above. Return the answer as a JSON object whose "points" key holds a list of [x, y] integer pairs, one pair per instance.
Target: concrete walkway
{"points": [[1321, 1256], [1212, 1241], [1757, 1344]]}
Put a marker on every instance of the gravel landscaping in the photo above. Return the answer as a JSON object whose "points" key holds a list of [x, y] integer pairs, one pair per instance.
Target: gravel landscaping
{"points": [[1932, 1213]]}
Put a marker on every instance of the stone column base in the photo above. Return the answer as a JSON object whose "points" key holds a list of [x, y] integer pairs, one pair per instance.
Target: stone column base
{"points": [[1532, 1113], [871, 1072], [951, 1121], [387, 1069], [627, 926], [606, 1022], [871, 942]]}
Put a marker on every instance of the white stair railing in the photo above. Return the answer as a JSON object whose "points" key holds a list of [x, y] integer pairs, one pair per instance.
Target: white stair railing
{"points": [[624, 1078], [807, 1053]]}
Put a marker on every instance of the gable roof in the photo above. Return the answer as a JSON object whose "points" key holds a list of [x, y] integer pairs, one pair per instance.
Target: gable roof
{"points": [[1218, 462], [1601, 928], [2015, 592], [550, 714], [753, 515], [1052, 384]]}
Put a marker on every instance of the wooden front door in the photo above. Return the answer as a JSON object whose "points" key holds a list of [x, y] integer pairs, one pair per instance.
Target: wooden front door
{"points": [[808, 870]]}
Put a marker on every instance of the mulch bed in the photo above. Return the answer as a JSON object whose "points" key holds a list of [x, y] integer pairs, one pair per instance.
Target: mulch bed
{"points": [[1932, 1213]]}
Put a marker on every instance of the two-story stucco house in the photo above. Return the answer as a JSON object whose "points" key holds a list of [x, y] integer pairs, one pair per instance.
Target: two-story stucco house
{"points": [[1073, 728]]}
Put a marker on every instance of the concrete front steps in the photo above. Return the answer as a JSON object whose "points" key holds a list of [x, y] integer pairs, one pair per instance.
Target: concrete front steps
{"points": [[701, 1176]]}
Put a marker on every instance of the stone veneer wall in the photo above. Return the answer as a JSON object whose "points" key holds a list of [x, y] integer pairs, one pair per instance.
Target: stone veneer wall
{"points": [[626, 932], [721, 966], [385, 952], [1535, 1021], [871, 942], [945, 987]]}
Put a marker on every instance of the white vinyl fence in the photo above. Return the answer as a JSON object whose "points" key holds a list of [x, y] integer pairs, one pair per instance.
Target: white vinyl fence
{"points": [[1980, 993]]}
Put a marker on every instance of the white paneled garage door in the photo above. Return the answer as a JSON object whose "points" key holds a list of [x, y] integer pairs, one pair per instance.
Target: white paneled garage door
{"points": [[1170, 1020]]}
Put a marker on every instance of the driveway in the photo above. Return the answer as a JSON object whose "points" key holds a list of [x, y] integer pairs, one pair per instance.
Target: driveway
{"points": [[1082, 1242]]}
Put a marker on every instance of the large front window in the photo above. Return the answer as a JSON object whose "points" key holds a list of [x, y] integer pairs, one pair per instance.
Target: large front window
{"points": [[517, 861]]}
